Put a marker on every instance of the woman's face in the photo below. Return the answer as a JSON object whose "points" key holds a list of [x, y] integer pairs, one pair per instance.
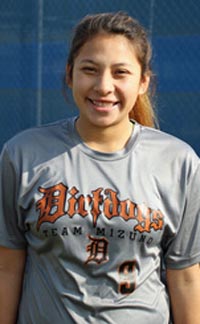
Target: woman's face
{"points": [[106, 81]]}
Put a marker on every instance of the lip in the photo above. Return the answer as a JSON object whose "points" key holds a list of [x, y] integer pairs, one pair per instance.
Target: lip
{"points": [[103, 105]]}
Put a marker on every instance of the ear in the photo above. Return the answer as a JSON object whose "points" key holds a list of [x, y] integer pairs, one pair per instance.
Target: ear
{"points": [[144, 84], [68, 75]]}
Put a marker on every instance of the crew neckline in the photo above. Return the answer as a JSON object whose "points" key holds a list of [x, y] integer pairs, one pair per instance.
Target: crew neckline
{"points": [[120, 154]]}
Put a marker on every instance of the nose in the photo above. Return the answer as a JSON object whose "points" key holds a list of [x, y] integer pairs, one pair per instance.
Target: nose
{"points": [[104, 83]]}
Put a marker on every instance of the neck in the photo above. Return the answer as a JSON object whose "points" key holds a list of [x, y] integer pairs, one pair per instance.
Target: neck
{"points": [[105, 139]]}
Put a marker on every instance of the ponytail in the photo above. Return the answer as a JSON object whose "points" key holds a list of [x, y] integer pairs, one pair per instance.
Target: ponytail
{"points": [[143, 112]]}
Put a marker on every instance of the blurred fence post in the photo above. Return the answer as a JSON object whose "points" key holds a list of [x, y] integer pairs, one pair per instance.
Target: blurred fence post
{"points": [[39, 62]]}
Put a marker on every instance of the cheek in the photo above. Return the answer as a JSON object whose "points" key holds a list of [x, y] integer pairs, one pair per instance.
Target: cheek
{"points": [[80, 89], [132, 85], [131, 94], [81, 83], [132, 91]]}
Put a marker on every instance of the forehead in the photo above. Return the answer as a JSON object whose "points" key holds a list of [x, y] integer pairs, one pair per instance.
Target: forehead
{"points": [[107, 46]]}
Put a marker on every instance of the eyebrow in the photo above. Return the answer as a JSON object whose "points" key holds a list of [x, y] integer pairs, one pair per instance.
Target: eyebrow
{"points": [[96, 63], [87, 61]]}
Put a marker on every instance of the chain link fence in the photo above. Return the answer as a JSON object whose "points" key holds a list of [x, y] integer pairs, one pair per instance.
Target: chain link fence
{"points": [[34, 40]]}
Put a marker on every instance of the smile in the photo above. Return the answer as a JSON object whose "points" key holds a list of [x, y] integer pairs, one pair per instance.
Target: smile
{"points": [[103, 103]]}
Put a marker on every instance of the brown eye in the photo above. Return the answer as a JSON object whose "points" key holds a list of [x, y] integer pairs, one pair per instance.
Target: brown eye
{"points": [[89, 69], [121, 73]]}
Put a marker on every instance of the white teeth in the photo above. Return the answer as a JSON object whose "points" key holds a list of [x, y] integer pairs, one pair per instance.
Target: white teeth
{"points": [[102, 103]]}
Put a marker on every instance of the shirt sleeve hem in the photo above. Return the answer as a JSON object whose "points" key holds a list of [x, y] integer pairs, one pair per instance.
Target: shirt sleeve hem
{"points": [[181, 264], [10, 244]]}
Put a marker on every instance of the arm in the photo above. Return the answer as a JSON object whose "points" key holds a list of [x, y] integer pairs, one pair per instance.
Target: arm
{"points": [[184, 291], [11, 275]]}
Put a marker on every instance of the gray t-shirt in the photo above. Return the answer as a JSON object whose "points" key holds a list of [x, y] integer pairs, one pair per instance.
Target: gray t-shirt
{"points": [[97, 226]]}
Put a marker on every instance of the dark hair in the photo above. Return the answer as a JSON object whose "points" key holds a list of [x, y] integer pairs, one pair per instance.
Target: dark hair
{"points": [[122, 24]]}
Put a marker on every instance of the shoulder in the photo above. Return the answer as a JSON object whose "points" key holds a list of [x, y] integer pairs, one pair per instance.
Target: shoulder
{"points": [[47, 140], [40, 135], [29, 135], [166, 152], [163, 142]]}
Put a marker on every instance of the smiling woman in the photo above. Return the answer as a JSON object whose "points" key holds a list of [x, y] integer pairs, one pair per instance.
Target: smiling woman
{"points": [[134, 38], [102, 200], [105, 89]]}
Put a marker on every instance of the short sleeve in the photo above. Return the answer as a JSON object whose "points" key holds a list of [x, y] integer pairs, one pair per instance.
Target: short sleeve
{"points": [[11, 235], [184, 249]]}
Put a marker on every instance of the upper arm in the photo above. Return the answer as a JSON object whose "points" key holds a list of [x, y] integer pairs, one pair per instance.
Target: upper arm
{"points": [[12, 263], [184, 291], [186, 274], [12, 260], [12, 232]]}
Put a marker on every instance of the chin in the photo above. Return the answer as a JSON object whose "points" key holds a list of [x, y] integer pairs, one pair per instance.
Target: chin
{"points": [[102, 122]]}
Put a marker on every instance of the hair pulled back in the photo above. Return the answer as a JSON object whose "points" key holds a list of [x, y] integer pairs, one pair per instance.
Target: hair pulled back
{"points": [[119, 23]]}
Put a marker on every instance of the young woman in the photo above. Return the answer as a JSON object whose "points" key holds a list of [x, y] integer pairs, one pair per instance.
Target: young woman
{"points": [[90, 207]]}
